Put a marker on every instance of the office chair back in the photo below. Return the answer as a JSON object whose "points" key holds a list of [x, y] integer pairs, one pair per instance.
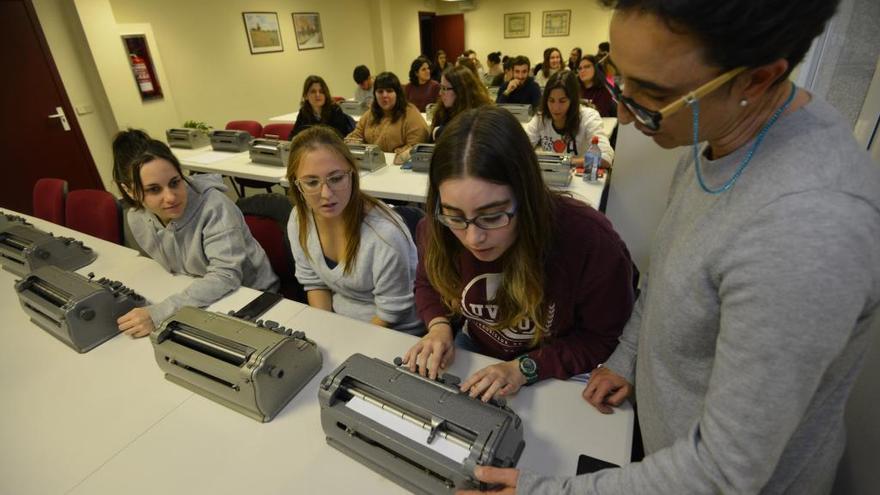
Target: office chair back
{"points": [[278, 131], [49, 197], [96, 213], [253, 127]]}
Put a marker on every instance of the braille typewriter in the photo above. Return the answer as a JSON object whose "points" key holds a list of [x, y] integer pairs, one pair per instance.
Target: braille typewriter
{"points": [[186, 138], [555, 168], [420, 157], [270, 151], [522, 111], [230, 140], [369, 156], [24, 248]]}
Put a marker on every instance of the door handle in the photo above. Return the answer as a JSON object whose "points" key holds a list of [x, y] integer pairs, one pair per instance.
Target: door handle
{"points": [[60, 115]]}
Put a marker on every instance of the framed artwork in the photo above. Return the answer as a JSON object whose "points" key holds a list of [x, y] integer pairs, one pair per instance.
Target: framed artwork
{"points": [[516, 24], [307, 26], [263, 33], [142, 66], [556, 23]]}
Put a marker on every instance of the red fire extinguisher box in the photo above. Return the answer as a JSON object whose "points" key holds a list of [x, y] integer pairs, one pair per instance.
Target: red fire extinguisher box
{"points": [[142, 66]]}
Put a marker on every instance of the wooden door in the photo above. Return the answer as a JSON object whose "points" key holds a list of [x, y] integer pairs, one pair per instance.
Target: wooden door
{"points": [[449, 35], [35, 144]]}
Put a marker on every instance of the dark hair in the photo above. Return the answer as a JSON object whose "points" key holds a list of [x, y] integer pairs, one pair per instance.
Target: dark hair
{"points": [[604, 47], [568, 82], [580, 56], [466, 62], [520, 60], [579, 51], [415, 66], [387, 80], [739, 33], [488, 143], [329, 104], [437, 58], [361, 74], [597, 78], [494, 57], [132, 149], [469, 93], [545, 68], [468, 53]]}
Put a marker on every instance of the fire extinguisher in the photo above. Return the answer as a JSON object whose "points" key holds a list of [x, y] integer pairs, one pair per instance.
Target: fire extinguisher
{"points": [[142, 75]]}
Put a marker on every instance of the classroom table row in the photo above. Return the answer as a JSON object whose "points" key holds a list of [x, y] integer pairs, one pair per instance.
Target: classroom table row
{"points": [[107, 422]]}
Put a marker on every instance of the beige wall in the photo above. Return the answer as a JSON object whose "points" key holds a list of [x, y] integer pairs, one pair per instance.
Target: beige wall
{"points": [[484, 27]]}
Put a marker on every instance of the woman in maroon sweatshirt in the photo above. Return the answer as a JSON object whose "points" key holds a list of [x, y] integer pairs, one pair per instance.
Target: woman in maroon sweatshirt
{"points": [[541, 280]]}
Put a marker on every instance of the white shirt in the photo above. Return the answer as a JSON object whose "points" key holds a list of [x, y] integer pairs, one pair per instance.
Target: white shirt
{"points": [[543, 136]]}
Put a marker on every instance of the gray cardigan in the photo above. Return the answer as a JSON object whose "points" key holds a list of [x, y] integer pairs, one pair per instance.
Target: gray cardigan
{"points": [[381, 283], [210, 241]]}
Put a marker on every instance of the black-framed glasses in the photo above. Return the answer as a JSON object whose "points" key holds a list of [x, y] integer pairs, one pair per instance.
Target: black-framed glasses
{"points": [[489, 221], [652, 118], [313, 185], [446, 88]]}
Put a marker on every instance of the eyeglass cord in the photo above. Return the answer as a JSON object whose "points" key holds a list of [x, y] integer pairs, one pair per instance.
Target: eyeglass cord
{"points": [[695, 108]]}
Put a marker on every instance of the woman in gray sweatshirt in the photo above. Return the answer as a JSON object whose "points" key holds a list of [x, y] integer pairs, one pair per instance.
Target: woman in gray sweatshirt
{"points": [[353, 254], [188, 226]]}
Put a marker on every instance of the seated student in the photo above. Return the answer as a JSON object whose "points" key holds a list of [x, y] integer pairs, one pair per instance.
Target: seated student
{"points": [[542, 280], [478, 66], [421, 89], [521, 88], [439, 65], [551, 65], [364, 90], [494, 67], [593, 88], [574, 58], [566, 126], [459, 91], [507, 75], [392, 123], [318, 107], [188, 225], [354, 255]]}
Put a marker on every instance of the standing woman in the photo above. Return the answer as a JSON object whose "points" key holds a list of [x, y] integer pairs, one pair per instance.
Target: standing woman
{"points": [[318, 107], [459, 91], [542, 281], [421, 89], [186, 225], [354, 256], [765, 268], [439, 65], [593, 88], [566, 126], [551, 65], [392, 123]]}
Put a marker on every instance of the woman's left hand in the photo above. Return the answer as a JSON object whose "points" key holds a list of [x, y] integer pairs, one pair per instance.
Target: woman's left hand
{"points": [[136, 323], [497, 380]]}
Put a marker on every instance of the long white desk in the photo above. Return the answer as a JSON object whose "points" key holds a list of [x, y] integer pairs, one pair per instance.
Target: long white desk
{"points": [[234, 165], [107, 422]]}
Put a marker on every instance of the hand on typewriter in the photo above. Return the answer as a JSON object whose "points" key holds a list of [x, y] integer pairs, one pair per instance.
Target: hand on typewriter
{"points": [[434, 352], [136, 323], [605, 389], [499, 379], [500, 480]]}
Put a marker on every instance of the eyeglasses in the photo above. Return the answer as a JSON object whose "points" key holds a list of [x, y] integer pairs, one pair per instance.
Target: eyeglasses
{"points": [[489, 221], [313, 185], [446, 88], [651, 118]]}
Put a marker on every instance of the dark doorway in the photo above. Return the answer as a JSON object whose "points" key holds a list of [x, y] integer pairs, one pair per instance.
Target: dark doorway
{"points": [[441, 32], [41, 136], [426, 34]]}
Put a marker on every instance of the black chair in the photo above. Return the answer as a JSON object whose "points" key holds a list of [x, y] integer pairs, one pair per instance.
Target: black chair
{"points": [[411, 216]]}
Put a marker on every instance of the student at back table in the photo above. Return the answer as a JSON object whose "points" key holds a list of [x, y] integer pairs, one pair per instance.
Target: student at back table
{"points": [[522, 88]]}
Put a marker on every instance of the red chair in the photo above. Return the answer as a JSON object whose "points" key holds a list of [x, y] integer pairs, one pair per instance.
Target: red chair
{"points": [[338, 99], [277, 131], [49, 196], [253, 127], [270, 236], [96, 213]]}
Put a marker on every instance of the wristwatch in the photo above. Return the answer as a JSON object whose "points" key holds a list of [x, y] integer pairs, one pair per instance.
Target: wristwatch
{"points": [[529, 368]]}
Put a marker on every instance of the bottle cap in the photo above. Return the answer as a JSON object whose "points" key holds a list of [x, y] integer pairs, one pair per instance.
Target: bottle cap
{"points": [[595, 140]]}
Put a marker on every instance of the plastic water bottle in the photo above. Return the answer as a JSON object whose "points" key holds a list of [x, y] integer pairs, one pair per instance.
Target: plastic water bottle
{"points": [[592, 160]]}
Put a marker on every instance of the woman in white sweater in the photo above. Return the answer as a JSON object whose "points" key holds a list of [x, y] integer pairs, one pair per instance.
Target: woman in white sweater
{"points": [[353, 255], [566, 126]]}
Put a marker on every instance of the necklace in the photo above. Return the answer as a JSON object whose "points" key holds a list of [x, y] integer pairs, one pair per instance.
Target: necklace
{"points": [[695, 108]]}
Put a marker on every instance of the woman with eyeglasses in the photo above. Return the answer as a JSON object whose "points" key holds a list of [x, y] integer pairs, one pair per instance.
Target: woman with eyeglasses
{"points": [[566, 126], [540, 280], [354, 256], [392, 123], [459, 91], [187, 225], [765, 268], [592, 86]]}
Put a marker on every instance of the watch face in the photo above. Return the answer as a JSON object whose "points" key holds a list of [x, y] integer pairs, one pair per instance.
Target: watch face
{"points": [[528, 366]]}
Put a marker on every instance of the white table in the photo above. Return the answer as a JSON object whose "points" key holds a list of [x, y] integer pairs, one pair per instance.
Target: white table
{"points": [[235, 165]]}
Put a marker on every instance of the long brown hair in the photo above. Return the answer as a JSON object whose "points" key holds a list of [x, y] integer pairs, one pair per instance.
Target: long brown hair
{"points": [[490, 144], [329, 104], [568, 82], [359, 204], [132, 149], [469, 93]]}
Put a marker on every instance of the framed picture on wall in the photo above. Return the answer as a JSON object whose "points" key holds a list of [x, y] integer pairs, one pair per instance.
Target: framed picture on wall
{"points": [[142, 66], [263, 33], [556, 23], [516, 24], [307, 26]]}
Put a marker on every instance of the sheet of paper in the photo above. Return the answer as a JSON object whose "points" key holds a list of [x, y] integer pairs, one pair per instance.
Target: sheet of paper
{"points": [[210, 157], [395, 423]]}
